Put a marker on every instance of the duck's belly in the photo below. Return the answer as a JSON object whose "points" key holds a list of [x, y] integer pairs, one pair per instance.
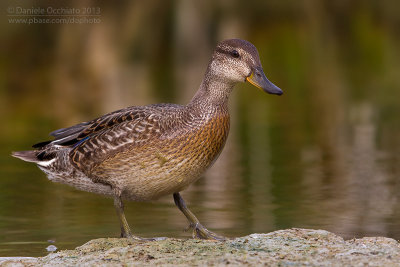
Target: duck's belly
{"points": [[165, 166], [159, 173]]}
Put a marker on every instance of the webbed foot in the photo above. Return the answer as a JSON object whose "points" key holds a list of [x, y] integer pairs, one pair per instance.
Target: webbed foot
{"points": [[144, 239]]}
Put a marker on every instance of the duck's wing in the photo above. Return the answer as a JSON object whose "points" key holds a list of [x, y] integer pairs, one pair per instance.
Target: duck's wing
{"points": [[71, 131], [89, 143], [133, 129], [65, 136], [75, 134]]}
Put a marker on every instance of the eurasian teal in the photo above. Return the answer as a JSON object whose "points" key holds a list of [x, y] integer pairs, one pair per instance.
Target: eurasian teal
{"points": [[144, 152]]}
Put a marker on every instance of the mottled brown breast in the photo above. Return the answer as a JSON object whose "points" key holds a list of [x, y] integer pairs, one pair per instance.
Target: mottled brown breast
{"points": [[206, 142]]}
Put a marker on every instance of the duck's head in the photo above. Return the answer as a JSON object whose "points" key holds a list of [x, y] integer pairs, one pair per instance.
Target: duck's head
{"points": [[236, 60]]}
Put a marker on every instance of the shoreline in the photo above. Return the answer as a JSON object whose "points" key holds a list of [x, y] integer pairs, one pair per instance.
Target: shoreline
{"points": [[280, 248]]}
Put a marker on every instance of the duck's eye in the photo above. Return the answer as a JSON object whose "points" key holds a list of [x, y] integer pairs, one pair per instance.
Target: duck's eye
{"points": [[235, 53]]}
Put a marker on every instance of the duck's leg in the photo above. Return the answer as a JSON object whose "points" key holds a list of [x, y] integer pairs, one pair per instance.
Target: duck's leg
{"points": [[119, 207], [199, 231], [125, 229]]}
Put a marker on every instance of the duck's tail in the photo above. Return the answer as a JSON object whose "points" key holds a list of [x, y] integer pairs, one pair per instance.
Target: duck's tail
{"points": [[42, 158], [28, 155]]}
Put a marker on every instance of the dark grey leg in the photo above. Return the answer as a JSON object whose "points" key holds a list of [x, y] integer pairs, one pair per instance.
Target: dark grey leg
{"points": [[119, 207], [125, 229]]}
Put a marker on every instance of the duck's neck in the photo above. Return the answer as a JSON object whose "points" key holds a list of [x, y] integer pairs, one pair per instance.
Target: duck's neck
{"points": [[213, 92]]}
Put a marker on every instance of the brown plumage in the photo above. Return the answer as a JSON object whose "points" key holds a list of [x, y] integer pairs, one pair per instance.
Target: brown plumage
{"points": [[142, 153]]}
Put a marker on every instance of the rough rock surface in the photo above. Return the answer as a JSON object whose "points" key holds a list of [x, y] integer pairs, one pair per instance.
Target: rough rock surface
{"points": [[293, 247]]}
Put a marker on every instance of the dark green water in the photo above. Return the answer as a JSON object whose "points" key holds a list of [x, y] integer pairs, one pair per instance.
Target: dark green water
{"points": [[325, 155]]}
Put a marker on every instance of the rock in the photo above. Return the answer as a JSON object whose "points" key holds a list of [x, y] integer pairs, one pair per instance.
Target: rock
{"points": [[291, 247], [51, 248]]}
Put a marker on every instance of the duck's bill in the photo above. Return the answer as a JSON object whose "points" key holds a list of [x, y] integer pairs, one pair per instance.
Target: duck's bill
{"points": [[258, 79]]}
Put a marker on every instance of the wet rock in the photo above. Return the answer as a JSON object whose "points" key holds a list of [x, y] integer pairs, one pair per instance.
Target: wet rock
{"points": [[293, 247]]}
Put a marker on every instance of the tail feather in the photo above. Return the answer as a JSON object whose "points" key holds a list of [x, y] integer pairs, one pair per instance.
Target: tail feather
{"points": [[28, 155]]}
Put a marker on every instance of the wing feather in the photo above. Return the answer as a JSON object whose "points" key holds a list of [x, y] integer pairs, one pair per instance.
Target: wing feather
{"points": [[117, 133], [94, 141], [70, 136]]}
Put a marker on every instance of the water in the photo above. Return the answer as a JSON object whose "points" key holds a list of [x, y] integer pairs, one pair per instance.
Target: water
{"points": [[262, 182], [325, 155]]}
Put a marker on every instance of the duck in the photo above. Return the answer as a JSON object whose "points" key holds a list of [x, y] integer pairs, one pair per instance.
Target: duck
{"points": [[141, 153]]}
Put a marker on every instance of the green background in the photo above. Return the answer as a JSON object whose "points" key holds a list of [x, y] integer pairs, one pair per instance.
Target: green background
{"points": [[325, 155]]}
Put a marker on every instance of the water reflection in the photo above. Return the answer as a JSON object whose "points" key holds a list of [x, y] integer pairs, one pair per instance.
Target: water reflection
{"points": [[324, 155]]}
